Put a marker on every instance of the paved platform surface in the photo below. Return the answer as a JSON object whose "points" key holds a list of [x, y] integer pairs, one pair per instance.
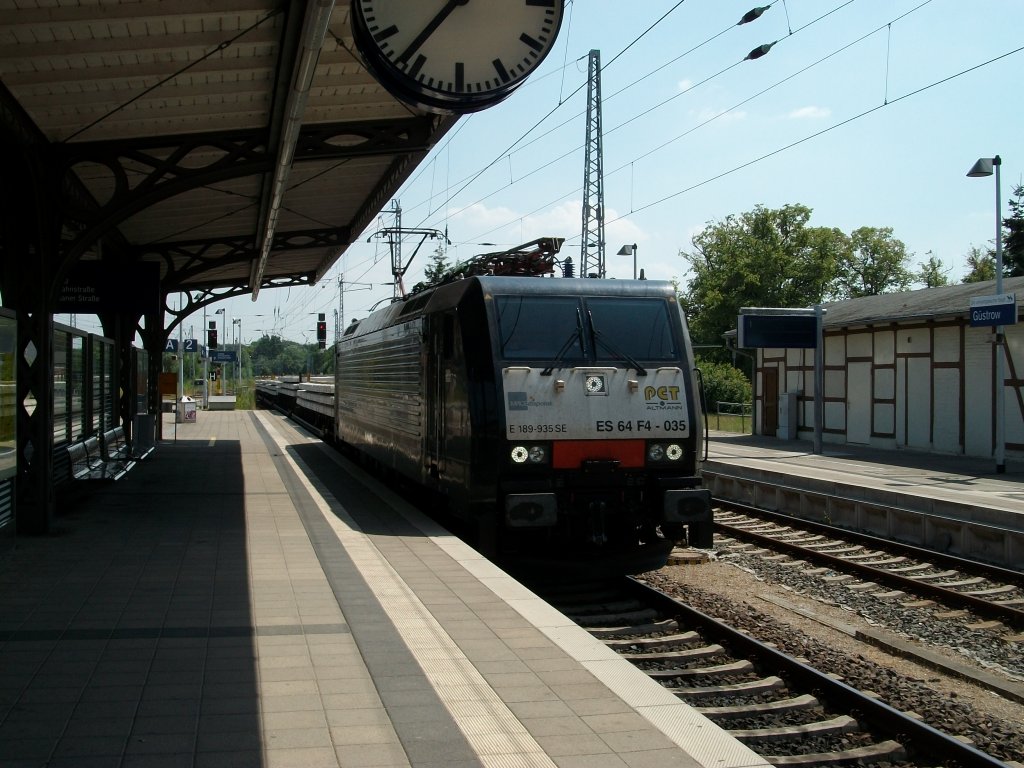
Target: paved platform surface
{"points": [[239, 600], [958, 479]]}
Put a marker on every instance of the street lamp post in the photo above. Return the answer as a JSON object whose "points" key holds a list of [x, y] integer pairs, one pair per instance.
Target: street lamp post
{"points": [[223, 328], [985, 167], [238, 377], [625, 251]]}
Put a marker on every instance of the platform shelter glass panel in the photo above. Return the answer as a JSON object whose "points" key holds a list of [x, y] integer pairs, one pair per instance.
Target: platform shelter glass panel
{"points": [[8, 396], [109, 386], [61, 389], [68, 384], [76, 387], [101, 356]]}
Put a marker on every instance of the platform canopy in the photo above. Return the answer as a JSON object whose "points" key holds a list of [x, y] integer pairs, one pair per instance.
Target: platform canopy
{"points": [[239, 144]]}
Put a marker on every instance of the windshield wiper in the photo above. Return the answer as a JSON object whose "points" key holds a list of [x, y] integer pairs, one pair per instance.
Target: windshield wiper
{"points": [[599, 337], [576, 335]]}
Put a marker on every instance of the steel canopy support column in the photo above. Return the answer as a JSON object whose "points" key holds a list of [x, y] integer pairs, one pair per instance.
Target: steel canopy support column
{"points": [[30, 231]]}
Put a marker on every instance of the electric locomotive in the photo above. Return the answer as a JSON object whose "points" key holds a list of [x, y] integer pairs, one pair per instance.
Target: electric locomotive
{"points": [[558, 416]]}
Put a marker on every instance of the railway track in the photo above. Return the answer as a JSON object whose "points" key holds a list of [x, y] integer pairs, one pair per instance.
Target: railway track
{"points": [[779, 706], [890, 570]]}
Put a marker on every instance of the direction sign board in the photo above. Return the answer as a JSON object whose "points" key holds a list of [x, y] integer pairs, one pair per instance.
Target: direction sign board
{"points": [[223, 356], [783, 331], [1000, 309]]}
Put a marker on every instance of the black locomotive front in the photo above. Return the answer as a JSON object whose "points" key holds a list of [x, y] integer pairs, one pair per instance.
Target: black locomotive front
{"points": [[557, 416]]}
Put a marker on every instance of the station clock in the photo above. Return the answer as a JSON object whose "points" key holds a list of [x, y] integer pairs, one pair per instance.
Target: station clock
{"points": [[454, 55]]}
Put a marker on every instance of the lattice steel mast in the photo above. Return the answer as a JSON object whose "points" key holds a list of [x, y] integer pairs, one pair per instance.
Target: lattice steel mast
{"points": [[592, 237]]}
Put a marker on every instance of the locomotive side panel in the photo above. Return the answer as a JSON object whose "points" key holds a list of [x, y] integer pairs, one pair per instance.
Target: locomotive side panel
{"points": [[379, 396]]}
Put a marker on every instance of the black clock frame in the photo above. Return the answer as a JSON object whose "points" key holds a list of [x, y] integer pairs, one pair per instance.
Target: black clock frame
{"points": [[407, 89]]}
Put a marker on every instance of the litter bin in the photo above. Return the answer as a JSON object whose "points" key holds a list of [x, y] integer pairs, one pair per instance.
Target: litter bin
{"points": [[186, 411]]}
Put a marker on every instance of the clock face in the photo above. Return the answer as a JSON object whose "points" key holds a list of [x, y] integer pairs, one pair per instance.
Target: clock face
{"points": [[454, 55]]}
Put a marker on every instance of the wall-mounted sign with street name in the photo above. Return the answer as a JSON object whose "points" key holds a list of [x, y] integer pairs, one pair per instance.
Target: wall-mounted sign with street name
{"points": [[1000, 309], [223, 356]]}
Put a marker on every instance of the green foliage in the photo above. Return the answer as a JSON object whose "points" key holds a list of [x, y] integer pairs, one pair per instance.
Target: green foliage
{"points": [[932, 273], [763, 258], [1013, 235], [436, 272], [274, 356], [437, 267], [875, 264], [724, 383], [982, 265], [774, 258]]}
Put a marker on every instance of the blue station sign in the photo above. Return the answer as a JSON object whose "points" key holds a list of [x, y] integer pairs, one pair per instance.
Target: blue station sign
{"points": [[223, 356], [190, 345], [1000, 309]]}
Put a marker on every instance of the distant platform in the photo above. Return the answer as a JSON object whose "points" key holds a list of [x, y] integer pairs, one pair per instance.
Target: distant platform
{"points": [[954, 504], [221, 403]]}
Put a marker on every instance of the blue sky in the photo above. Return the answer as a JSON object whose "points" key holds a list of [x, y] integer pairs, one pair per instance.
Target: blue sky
{"points": [[867, 114]]}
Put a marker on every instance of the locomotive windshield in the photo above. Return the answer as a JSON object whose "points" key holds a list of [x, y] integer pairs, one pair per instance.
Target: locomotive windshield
{"points": [[546, 328]]}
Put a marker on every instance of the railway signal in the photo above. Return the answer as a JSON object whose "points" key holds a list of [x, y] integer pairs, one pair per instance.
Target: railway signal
{"points": [[321, 330]]}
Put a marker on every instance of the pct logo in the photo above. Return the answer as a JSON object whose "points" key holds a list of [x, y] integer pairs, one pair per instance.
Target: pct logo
{"points": [[518, 401], [662, 393]]}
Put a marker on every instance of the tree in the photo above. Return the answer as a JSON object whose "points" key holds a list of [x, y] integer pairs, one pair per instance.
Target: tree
{"points": [[274, 356], [874, 265], [982, 265], [723, 383], [933, 272], [762, 258], [437, 267], [1013, 235]]}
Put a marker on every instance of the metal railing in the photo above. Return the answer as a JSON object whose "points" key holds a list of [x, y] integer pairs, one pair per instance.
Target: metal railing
{"points": [[732, 417]]}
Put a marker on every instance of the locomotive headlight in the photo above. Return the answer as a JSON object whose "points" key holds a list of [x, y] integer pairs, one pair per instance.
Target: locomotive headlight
{"points": [[662, 452], [529, 455]]}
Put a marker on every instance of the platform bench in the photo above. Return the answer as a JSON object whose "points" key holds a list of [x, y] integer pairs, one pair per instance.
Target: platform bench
{"points": [[141, 444], [87, 462], [116, 448]]}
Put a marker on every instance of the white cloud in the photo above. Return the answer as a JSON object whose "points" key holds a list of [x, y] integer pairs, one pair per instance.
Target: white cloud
{"points": [[684, 85], [809, 113]]}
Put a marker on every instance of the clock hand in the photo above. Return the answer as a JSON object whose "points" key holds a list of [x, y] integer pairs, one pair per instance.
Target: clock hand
{"points": [[428, 30]]}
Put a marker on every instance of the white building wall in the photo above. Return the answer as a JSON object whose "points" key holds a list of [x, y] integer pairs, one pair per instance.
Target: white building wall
{"points": [[947, 393], [913, 385], [978, 364], [884, 381]]}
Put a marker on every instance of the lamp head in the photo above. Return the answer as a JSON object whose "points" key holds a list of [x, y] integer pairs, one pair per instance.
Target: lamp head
{"points": [[626, 250], [981, 168]]}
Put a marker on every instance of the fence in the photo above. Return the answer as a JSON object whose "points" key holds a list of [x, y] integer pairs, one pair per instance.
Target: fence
{"points": [[732, 417]]}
